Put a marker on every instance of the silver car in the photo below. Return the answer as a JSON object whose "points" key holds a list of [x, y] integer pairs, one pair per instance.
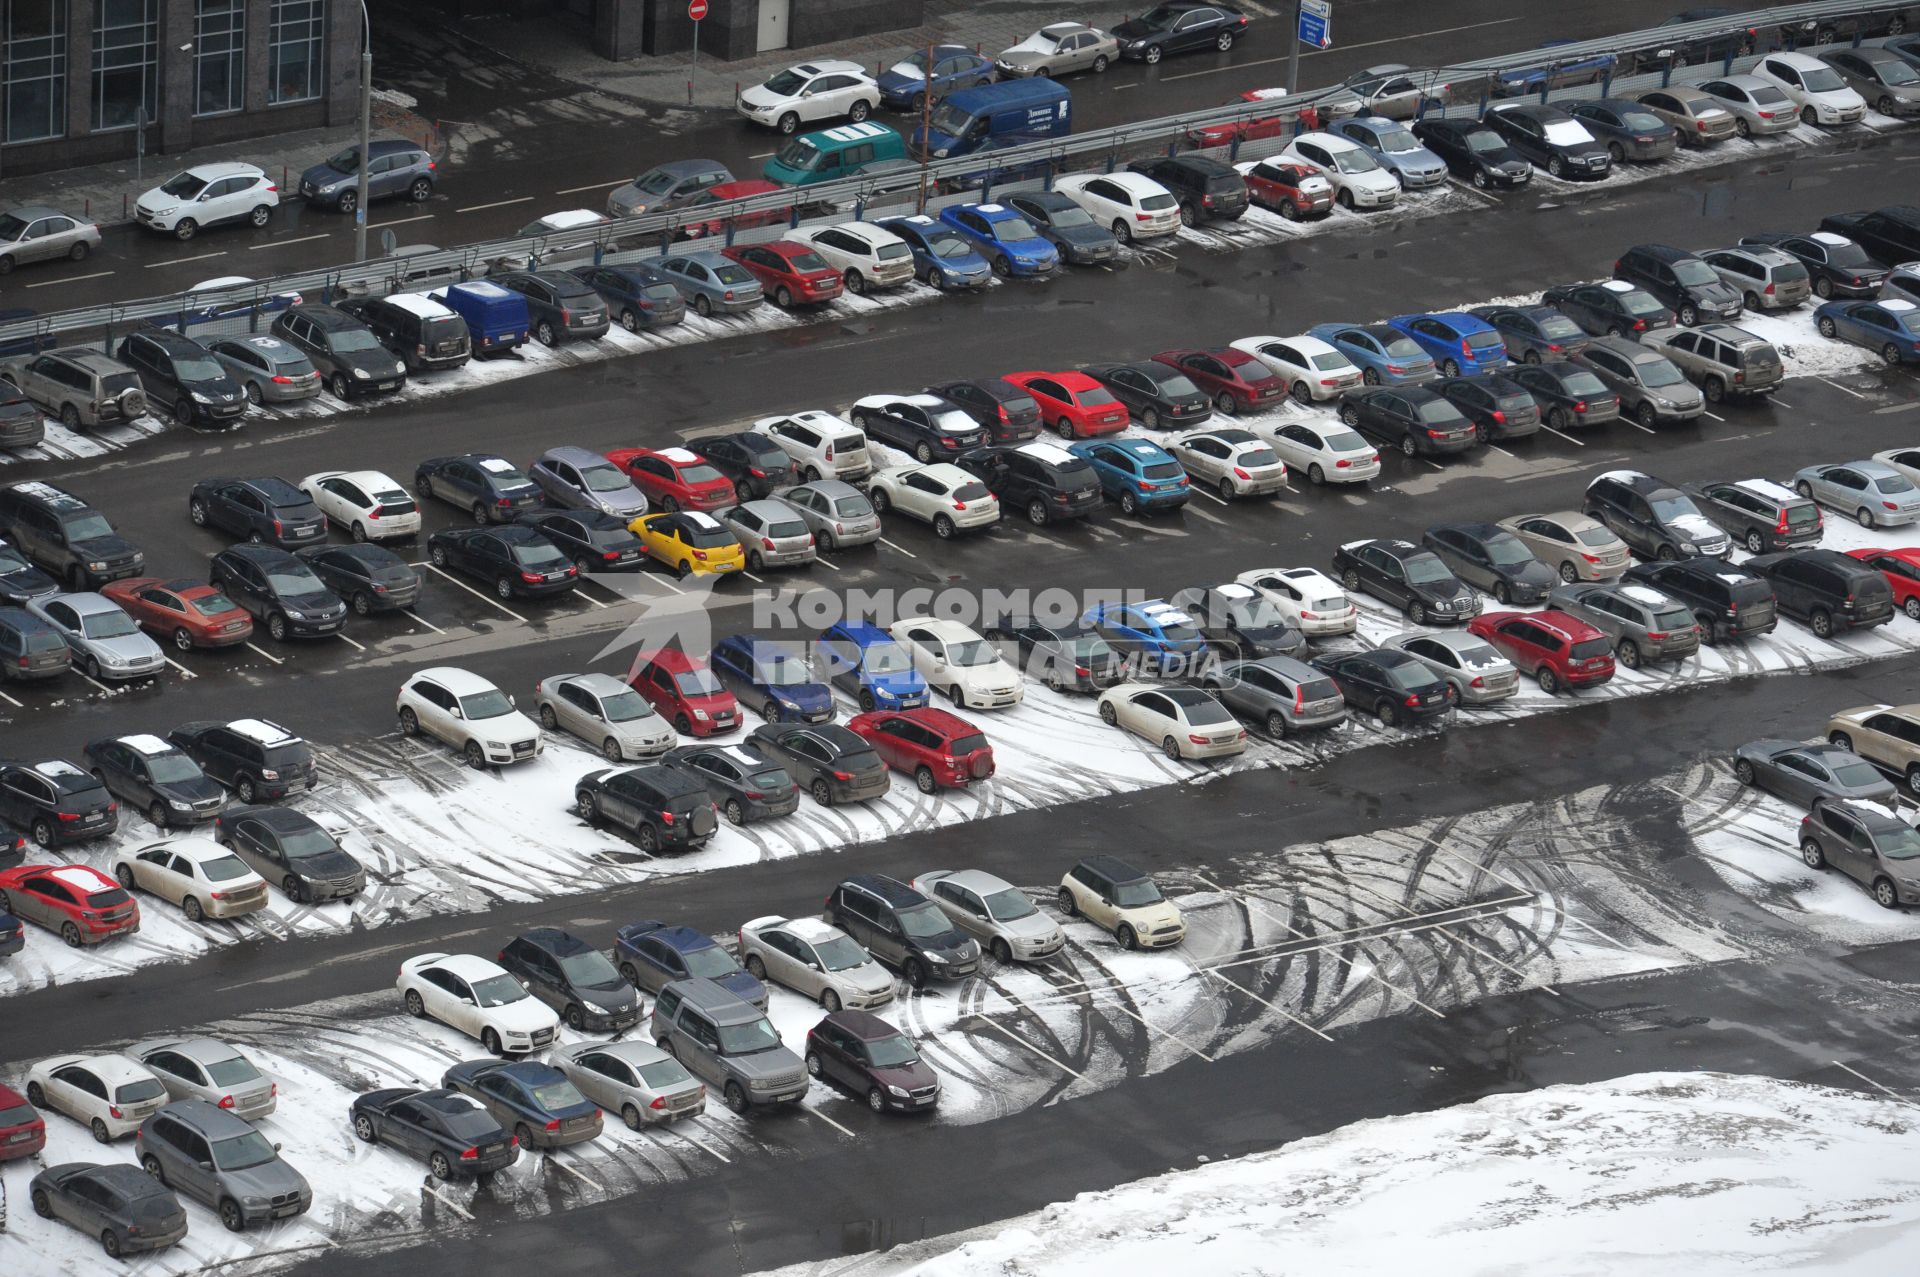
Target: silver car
{"points": [[836, 512], [1885, 80], [666, 186], [1758, 108], [1397, 150], [1800, 773], [816, 960], [1698, 119], [1058, 49], [605, 713], [1282, 694], [106, 643], [36, 233], [1902, 284], [206, 1153], [582, 479], [637, 1080], [1473, 671], [1651, 388], [268, 369], [993, 911], [1873, 492], [1644, 624], [1578, 545], [772, 532], [1386, 90], [205, 1069]]}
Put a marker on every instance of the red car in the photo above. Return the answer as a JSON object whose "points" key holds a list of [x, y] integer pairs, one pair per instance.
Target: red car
{"points": [[675, 479], [1559, 650], [1253, 130], [684, 691], [1073, 403], [23, 1132], [731, 191], [939, 750], [790, 273], [1292, 190], [1237, 381], [1901, 567], [191, 613], [81, 903]]}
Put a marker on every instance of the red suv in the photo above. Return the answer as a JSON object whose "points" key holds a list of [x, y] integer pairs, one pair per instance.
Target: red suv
{"points": [[790, 273], [23, 1132], [81, 903], [939, 750], [1559, 650], [1073, 403], [1235, 380], [684, 691], [675, 479]]}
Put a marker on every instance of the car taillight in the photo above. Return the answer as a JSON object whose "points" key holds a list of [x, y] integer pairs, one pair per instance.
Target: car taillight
{"points": [[1858, 281], [280, 380], [1395, 368], [1342, 464], [272, 189], [1413, 699], [1639, 325], [226, 1101], [1435, 434], [68, 815], [566, 316], [1701, 126], [840, 775], [666, 818], [700, 555], [1329, 381], [658, 1102], [766, 543], [829, 452], [756, 472], [114, 1109], [610, 555], [1765, 115], [961, 505], [1299, 697], [728, 294], [1733, 609], [531, 578], [1198, 740], [1081, 671], [1499, 417], [503, 501], [373, 514], [471, 1154], [1768, 290], [277, 529], [1465, 350], [1580, 405]]}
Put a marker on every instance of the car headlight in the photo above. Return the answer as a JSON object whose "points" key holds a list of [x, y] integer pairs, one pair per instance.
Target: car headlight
{"points": [[787, 704], [295, 616], [200, 398], [255, 1203], [166, 212], [359, 374], [936, 959], [96, 567], [898, 1092], [498, 744], [112, 658], [1136, 44], [1688, 547], [700, 714], [940, 154], [594, 1008], [177, 805]]}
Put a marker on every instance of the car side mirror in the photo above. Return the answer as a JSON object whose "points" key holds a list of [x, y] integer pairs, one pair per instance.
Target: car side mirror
{"points": [[806, 93], [939, 662], [813, 966], [207, 1166], [513, 702], [457, 712], [278, 1147], [467, 998]]}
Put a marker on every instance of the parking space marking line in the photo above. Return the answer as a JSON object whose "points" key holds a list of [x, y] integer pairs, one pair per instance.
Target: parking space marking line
{"points": [[1172, 1037], [1875, 1085], [909, 553], [845, 1130], [96, 682], [1908, 406], [1269, 1005], [423, 620], [1774, 401], [1209, 496], [1009, 1033], [402, 221], [177, 665], [181, 261], [1569, 438], [597, 186], [9, 700], [1494, 873], [475, 208], [668, 583], [588, 597], [1717, 417], [1365, 44], [1498, 961], [1502, 451], [1836, 385], [70, 279], [476, 594], [704, 1145], [449, 1203], [281, 243], [269, 655], [764, 155], [354, 643], [825, 562], [751, 577], [588, 1180], [1637, 426]]}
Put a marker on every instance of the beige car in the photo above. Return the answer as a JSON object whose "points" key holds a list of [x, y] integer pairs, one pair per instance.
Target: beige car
{"points": [[1058, 49], [1111, 893], [198, 874], [1184, 722], [816, 960], [1888, 735], [1579, 548]]}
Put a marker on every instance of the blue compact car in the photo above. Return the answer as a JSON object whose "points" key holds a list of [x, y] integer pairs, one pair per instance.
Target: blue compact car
{"points": [[773, 678], [652, 955], [1137, 474], [955, 66], [1461, 344], [531, 1098], [1891, 327], [1386, 356], [864, 662], [1006, 239], [941, 255], [1155, 635]]}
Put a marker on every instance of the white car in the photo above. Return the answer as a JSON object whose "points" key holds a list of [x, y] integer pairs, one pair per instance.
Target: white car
{"points": [[1308, 598], [571, 219], [1238, 463], [822, 445], [108, 1094], [1324, 451], [866, 256], [1905, 460], [811, 91], [198, 874], [942, 494], [956, 661], [1358, 179], [468, 713], [205, 195], [479, 999], [1133, 204], [1314, 370], [1184, 722], [816, 960], [368, 504], [1815, 88]]}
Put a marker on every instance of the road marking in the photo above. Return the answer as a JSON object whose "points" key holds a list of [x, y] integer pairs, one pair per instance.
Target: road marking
{"points": [[1875, 1085], [357, 646], [751, 577], [9, 700], [423, 620], [704, 1145], [475, 208], [1837, 386], [903, 549], [96, 682], [1009, 1033], [667, 581], [1717, 417], [1366, 44], [829, 1121], [1775, 401], [281, 243], [177, 665], [1494, 873], [70, 279], [825, 562], [178, 261], [1209, 496], [588, 1180], [1496, 959], [1101, 1006], [764, 155], [1637, 426], [1740, 826], [1569, 438], [264, 652], [597, 186], [449, 1203], [1896, 407], [1502, 451], [580, 593], [1262, 1001], [431, 567], [402, 221]]}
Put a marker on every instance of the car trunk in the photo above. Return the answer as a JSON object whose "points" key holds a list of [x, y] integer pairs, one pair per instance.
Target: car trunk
{"points": [[974, 755]]}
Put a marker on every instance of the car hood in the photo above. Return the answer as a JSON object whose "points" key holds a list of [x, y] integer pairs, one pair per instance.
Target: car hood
{"points": [[527, 1015], [330, 865], [642, 731], [1029, 51], [107, 547], [29, 583], [191, 791], [1151, 917], [378, 363], [322, 176], [1717, 294], [902, 75], [1380, 179], [775, 1065], [808, 696], [1090, 235], [510, 726], [909, 1077], [1441, 592], [1035, 926], [1698, 529], [322, 601], [132, 647], [759, 95], [623, 504], [871, 978], [617, 996], [1536, 574], [743, 985], [269, 1179], [1134, 29]]}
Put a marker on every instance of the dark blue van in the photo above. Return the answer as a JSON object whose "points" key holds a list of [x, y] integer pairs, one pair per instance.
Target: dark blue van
{"points": [[496, 317], [1007, 113]]}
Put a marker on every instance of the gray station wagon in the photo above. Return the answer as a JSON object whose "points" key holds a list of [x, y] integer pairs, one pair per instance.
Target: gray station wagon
{"points": [[1282, 694]]}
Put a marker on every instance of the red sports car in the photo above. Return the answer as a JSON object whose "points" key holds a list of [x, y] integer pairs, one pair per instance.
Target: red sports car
{"points": [[1559, 650], [1073, 403], [675, 479], [938, 749], [23, 1132], [81, 903], [722, 193], [191, 613], [790, 273], [1236, 380], [1901, 567], [684, 691]]}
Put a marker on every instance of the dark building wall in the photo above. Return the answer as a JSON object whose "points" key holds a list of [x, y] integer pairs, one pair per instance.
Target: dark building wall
{"points": [[830, 21], [732, 27]]}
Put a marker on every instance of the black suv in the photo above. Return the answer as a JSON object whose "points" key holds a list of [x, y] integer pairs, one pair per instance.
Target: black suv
{"points": [[1492, 558], [156, 777], [257, 759], [66, 536], [371, 578], [424, 334], [1008, 412], [1654, 518], [665, 810], [1156, 394], [903, 929], [1410, 578], [268, 510], [56, 802], [178, 370], [1729, 602], [833, 763], [1682, 282], [1208, 190], [344, 350], [1528, 128], [1043, 478], [573, 978], [1891, 234], [754, 463], [559, 306], [280, 590], [1832, 592]]}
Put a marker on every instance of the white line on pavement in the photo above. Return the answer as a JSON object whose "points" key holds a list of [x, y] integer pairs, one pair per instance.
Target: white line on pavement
{"points": [[423, 620], [354, 643], [1717, 417], [278, 243], [264, 652], [401, 221], [588, 1180], [903, 549], [70, 279], [829, 1121], [449, 1203], [1637, 426], [597, 186], [704, 1145], [475, 208], [177, 665], [96, 682], [1269, 1005], [1009, 1033], [825, 562], [1837, 386], [9, 700], [1175, 1038], [1875, 1085], [751, 577], [1518, 886], [180, 260], [476, 594], [1366, 44], [1569, 438]]}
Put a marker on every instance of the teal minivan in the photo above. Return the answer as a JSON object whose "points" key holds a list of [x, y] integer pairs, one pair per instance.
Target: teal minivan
{"points": [[832, 154]]}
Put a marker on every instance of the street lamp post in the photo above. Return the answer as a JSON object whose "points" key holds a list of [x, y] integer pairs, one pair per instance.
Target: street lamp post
{"points": [[366, 125]]}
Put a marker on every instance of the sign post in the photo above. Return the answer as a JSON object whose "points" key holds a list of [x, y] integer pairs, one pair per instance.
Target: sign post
{"points": [[1313, 27], [696, 9]]}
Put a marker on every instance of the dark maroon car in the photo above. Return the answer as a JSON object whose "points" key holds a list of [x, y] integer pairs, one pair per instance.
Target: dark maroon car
{"points": [[859, 1052]]}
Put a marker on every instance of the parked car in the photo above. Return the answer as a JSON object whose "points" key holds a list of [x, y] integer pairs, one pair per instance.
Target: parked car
{"points": [[1385, 355], [1887, 736], [1137, 474], [639, 1081], [1326, 452], [1550, 138], [217, 1158], [1473, 151], [1869, 844], [863, 661], [1359, 181], [1831, 592], [1759, 108], [110, 1095], [1655, 519], [1890, 327], [1180, 26], [1394, 686], [1280, 693], [815, 959], [105, 643], [1901, 568], [1680, 281], [1047, 481], [1116, 896], [153, 776], [258, 759], [1802, 773], [1416, 419], [81, 905], [861, 1053], [1698, 118], [1724, 361], [1650, 388], [663, 809], [1880, 77], [938, 749], [727, 1043], [1474, 671], [711, 283], [604, 712], [901, 927], [267, 369], [942, 257], [478, 998], [1497, 404], [942, 494], [425, 335], [1397, 149], [1075, 218], [1311, 601], [1007, 240], [1236, 463], [1151, 634], [1065, 656], [1005, 411], [1206, 189], [1298, 192], [638, 295], [83, 388], [1813, 87], [573, 978], [836, 513], [292, 851], [834, 764], [469, 714], [684, 691], [1728, 602], [191, 614], [30, 648], [1185, 722], [1891, 234], [1560, 651], [1839, 267], [821, 445], [925, 425], [1408, 577], [1627, 129], [544, 1109], [746, 785], [279, 589], [178, 371], [266, 510], [1760, 514], [1873, 492], [396, 166], [1611, 308], [208, 195], [1074, 404], [456, 1135], [343, 349], [1057, 49], [956, 661], [1767, 278], [197, 874], [1489, 557], [1236, 380], [1239, 620], [128, 1210]]}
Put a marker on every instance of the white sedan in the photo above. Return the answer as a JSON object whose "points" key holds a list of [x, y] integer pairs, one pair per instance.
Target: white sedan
{"points": [[1905, 460], [479, 999], [110, 1095], [1314, 370], [944, 495], [1307, 597], [1133, 204], [1238, 463], [198, 874], [366, 503], [1325, 451], [956, 661], [1184, 722], [1359, 180]]}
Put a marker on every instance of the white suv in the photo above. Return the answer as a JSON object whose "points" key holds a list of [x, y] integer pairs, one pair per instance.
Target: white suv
{"points": [[865, 255], [1358, 180], [1815, 88], [205, 195], [1307, 597], [944, 495], [957, 662], [811, 91], [822, 445], [468, 713], [1133, 204]]}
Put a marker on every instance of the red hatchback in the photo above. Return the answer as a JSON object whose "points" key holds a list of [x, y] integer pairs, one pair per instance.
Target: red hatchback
{"points": [[81, 903], [790, 273], [1559, 650], [675, 479], [722, 193], [939, 750], [1236, 380], [1901, 567], [191, 613], [23, 1132], [1292, 190], [684, 691], [1073, 403]]}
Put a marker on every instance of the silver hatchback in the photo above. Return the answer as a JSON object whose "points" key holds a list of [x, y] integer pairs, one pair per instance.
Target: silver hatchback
{"points": [[36, 233], [1644, 624], [1475, 674], [1281, 694], [268, 369], [773, 534], [582, 479], [605, 713], [836, 512]]}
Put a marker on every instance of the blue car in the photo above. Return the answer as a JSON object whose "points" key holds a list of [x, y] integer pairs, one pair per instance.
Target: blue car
{"points": [[13, 935], [864, 662], [941, 255], [1138, 474], [955, 66], [532, 1099], [652, 955], [1386, 356], [1587, 70], [1891, 327], [638, 295], [773, 678], [1006, 239], [1154, 636], [1461, 344]]}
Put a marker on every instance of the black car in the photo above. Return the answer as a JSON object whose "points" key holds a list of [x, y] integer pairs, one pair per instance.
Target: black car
{"points": [[31, 649], [156, 777], [1610, 309], [1208, 190], [1728, 602], [1042, 478], [1156, 394], [290, 850], [637, 295], [744, 783], [1414, 418], [862, 1054], [1395, 687], [595, 540], [66, 536], [259, 760], [1568, 394], [421, 333], [926, 425], [56, 802], [665, 810], [342, 348], [754, 463], [267, 511], [456, 1136], [1067, 656], [516, 560], [560, 305], [491, 489], [1007, 411], [1533, 334], [280, 590], [129, 1210], [371, 578], [1839, 266], [1688, 286], [1473, 151], [1550, 138], [1830, 591], [573, 978], [1492, 558], [903, 929], [1627, 129], [1180, 26], [1654, 518], [1239, 621], [829, 761], [1892, 234], [20, 581], [1410, 578], [1498, 406], [1068, 227], [179, 371]]}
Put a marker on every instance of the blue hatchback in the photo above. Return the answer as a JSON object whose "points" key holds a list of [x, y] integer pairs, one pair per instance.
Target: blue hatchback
{"points": [[1553, 74], [1155, 635], [1461, 344], [1006, 239], [652, 955], [773, 678], [864, 662], [1891, 327], [1386, 356], [1137, 473], [941, 255]]}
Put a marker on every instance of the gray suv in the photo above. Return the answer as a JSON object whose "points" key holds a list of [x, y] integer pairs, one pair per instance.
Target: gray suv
{"points": [[1282, 694], [81, 387], [1871, 846], [1724, 361], [1644, 624], [210, 1155], [1768, 278], [1760, 514], [727, 1043], [1651, 388]]}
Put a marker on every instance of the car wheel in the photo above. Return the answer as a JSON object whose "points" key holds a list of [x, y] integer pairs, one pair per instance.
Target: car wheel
{"points": [[1688, 316], [1187, 217], [923, 777], [442, 1168], [822, 793], [1629, 654], [1912, 607], [1549, 681], [631, 1116], [545, 334], [1555, 166], [409, 726], [649, 839], [185, 228], [1288, 212], [1824, 288], [110, 1242], [1064, 428], [260, 215], [1804, 488], [294, 890], [277, 627], [1171, 748], [1885, 894], [183, 640], [421, 191], [1129, 504], [1227, 491], [875, 1100], [348, 201], [703, 307], [1345, 199], [183, 411], [1884, 105], [1864, 517], [877, 498], [1618, 152], [1809, 116], [1037, 512], [1451, 368], [70, 933], [1388, 715], [789, 123], [858, 111], [158, 814], [1890, 354], [736, 1098], [1001, 266], [1820, 621], [1417, 612], [1152, 55], [576, 1018], [629, 320], [1645, 415], [1126, 936], [476, 756], [735, 813], [1409, 446], [916, 973], [1224, 42], [867, 703], [1913, 778], [1226, 404], [1122, 230], [491, 1042]]}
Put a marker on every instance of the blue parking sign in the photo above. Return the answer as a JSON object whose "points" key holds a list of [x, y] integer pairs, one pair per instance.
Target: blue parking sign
{"points": [[1316, 23]]}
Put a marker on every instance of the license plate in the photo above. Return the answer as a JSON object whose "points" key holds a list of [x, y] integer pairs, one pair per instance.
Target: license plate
{"points": [[389, 385], [791, 1095], [19, 1137], [291, 1208]]}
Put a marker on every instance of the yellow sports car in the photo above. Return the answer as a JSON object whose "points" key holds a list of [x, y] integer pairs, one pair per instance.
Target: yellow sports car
{"points": [[689, 542]]}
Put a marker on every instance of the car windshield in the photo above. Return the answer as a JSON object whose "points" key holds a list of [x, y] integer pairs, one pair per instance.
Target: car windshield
{"points": [[1485, 141], [553, 1096], [658, 182], [498, 991], [1658, 372], [786, 83], [183, 186], [1256, 614], [491, 703], [1694, 273], [807, 260], [250, 1148], [198, 368], [947, 244], [711, 963], [289, 582], [106, 625], [924, 922], [348, 161], [348, 340], [886, 658], [1426, 569], [1583, 383], [604, 479], [892, 1053], [1856, 773], [1567, 133], [748, 1039], [840, 954], [662, 1074], [1401, 348], [306, 844], [171, 769], [1354, 161], [696, 683], [589, 969], [624, 707], [1507, 552], [1898, 843], [11, 226], [950, 120], [1892, 73], [798, 154], [973, 652], [1134, 895], [224, 869], [10, 561], [783, 669], [1821, 80], [1072, 215], [1557, 326], [1013, 230], [1670, 509], [86, 527]]}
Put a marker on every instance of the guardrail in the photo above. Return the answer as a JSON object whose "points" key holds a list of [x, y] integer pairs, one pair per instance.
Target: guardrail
{"points": [[1660, 50]]}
